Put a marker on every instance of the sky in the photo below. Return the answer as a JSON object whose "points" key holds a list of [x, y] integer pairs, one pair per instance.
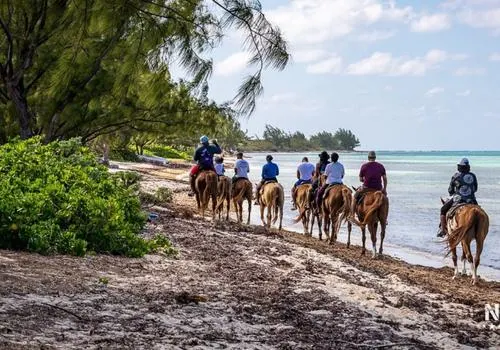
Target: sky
{"points": [[402, 75]]}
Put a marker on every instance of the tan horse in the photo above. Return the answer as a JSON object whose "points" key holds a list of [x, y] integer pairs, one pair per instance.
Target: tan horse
{"points": [[273, 198], [242, 190], [373, 210], [303, 206], [336, 207], [206, 189], [223, 195], [469, 222]]}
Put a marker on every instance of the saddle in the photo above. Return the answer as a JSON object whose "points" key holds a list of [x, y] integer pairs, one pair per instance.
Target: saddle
{"points": [[361, 195], [454, 209], [269, 182]]}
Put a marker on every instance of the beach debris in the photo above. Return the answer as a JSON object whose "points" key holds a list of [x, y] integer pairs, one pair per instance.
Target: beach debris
{"points": [[186, 298]]}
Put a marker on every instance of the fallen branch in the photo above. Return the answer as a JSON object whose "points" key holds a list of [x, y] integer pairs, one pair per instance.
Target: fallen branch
{"points": [[67, 311]]}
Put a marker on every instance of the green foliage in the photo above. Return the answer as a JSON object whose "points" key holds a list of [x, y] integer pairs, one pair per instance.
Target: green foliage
{"points": [[161, 244], [276, 139], [123, 155], [56, 198], [101, 67], [167, 152], [129, 179]]}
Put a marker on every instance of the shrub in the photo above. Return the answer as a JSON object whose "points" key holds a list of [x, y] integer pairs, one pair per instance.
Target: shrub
{"points": [[166, 152], [56, 198], [161, 197]]}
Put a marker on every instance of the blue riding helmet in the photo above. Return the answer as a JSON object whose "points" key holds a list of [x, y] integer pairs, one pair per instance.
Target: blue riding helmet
{"points": [[204, 139]]}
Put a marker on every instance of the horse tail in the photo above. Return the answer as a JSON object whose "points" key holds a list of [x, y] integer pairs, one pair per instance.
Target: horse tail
{"points": [[210, 187], [224, 189], [302, 210], [275, 203], [240, 192], [379, 201], [346, 207], [479, 222]]}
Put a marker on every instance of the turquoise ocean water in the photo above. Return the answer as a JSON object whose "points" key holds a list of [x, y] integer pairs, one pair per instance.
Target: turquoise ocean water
{"points": [[416, 181]]}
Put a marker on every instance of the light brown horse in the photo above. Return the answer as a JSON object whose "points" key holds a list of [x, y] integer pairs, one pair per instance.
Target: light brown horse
{"points": [[469, 222], [273, 198], [206, 189], [242, 190], [303, 206], [336, 207], [223, 195], [373, 210]]}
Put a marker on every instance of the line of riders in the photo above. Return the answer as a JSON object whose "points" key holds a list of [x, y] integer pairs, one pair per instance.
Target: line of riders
{"points": [[372, 174]]}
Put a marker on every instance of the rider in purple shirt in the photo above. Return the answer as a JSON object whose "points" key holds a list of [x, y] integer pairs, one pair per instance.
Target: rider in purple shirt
{"points": [[373, 176]]}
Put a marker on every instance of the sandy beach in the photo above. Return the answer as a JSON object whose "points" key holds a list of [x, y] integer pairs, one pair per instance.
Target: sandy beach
{"points": [[236, 287]]}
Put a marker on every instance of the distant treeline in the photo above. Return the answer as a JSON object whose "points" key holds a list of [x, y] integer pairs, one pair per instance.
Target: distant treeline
{"points": [[276, 139]]}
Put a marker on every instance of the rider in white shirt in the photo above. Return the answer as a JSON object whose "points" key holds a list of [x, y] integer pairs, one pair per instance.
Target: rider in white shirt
{"points": [[305, 173]]}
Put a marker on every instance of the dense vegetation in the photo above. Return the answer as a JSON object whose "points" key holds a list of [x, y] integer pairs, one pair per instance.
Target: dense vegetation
{"points": [[100, 70], [275, 139], [55, 198]]}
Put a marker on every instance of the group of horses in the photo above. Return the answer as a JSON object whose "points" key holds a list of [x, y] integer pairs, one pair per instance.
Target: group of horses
{"points": [[221, 190], [466, 223]]}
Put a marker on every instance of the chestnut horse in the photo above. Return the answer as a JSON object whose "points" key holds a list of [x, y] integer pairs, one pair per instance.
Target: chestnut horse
{"points": [[469, 222], [242, 190], [206, 189], [373, 210], [315, 211], [303, 206], [223, 195], [336, 207], [273, 198]]}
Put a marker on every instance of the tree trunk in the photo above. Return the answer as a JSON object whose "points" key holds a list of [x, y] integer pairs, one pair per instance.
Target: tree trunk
{"points": [[16, 94]]}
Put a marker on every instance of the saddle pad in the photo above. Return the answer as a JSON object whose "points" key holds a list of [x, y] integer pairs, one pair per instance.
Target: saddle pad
{"points": [[325, 194], [454, 209]]}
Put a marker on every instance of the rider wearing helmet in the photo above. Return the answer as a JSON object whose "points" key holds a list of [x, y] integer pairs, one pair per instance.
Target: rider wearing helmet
{"points": [[269, 172], [462, 189], [204, 158]]}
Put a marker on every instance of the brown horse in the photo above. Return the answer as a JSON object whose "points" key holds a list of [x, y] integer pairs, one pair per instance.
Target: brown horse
{"points": [[273, 198], [336, 207], [206, 189], [303, 205], [373, 210], [242, 190], [315, 211], [469, 222], [223, 194]]}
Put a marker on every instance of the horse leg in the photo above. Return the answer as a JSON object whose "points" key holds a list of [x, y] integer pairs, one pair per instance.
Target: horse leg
{"points": [[249, 200], [281, 217], [214, 206], [333, 227], [382, 236], [477, 258], [363, 239], [464, 261], [455, 265], [468, 254], [269, 215], [228, 203], [262, 215], [349, 229], [313, 218], [373, 233]]}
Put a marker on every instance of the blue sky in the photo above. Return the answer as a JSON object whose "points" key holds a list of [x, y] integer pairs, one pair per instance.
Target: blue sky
{"points": [[402, 75]]}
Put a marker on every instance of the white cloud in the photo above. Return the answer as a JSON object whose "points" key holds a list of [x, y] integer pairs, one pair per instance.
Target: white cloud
{"points": [[431, 23], [233, 64], [463, 71], [459, 57], [376, 35], [464, 93], [434, 91], [489, 19], [317, 21], [311, 55], [495, 57], [329, 65], [382, 63]]}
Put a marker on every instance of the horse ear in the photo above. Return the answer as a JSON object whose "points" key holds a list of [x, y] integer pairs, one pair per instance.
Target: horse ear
{"points": [[442, 200], [354, 188]]}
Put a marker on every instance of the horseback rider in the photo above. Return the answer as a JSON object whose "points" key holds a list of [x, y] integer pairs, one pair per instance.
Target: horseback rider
{"points": [[241, 168], [462, 189], [335, 173], [204, 158], [269, 172], [305, 173], [219, 166], [373, 176], [320, 169]]}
